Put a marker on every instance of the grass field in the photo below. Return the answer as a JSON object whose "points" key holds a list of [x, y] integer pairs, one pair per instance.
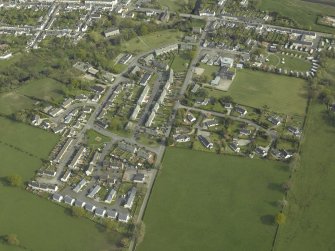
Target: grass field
{"points": [[309, 224], [203, 201], [46, 89], [180, 63], [303, 12], [40, 224], [95, 139], [282, 94], [291, 63], [151, 41]]}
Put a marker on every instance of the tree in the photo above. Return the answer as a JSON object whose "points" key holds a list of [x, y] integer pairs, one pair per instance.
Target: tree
{"points": [[282, 203], [280, 218], [124, 242], [14, 180], [77, 212], [11, 239], [111, 225]]}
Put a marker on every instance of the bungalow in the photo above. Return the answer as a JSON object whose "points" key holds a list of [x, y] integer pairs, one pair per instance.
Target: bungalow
{"points": [[80, 185], [87, 110], [100, 212], [112, 214], [234, 147], [182, 138], [69, 200], [55, 112], [205, 142], [90, 207], [49, 173], [166, 49], [227, 62], [116, 165], [59, 129], [57, 197], [126, 58], [216, 81], [241, 110], [36, 121], [96, 98], [94, 191], [90, 170], [68, 118], [294, 130], [190, 117], [261, 152], [245, 132], [226, 105], [110, 196], [101, 124], [202, 101], [111, 32], [143, 95], [139, 178], [274, 120], [130, 198], [144, 154], [135, 112], [211, 123], [92, 71], [124, 217], [160, 65], [148, 59], [197, 30], [49, 188], [81, 98], [80, 203], [285, 154]]}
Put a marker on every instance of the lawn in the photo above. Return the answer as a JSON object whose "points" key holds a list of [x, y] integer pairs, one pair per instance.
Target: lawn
{"points": [[291, 63], [11, 102], [96, 140], [281, 94], [303, 12], [309, 224], [204, 201], [180, 63], [209, 70], [151, 41], [40, 224]]}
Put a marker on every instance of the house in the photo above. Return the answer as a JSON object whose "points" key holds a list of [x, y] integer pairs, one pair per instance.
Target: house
{"points": [[164, 16], [98, 89], [144, 80], [80, 185], [261, 152], [90, 207], [241, 110], [274, 120], [226, 105], [87, 110], [124, 217], [81, 98], [64, 149], [66, 176], [127, 147], [49, 188], [216, 81], [57, 197], [100, 212], [80, 203], [89, 170], [49, 173], [135, 112], [149, 58], [67, 102], [139, 178], [182, 138], [116, 164], [197, 30], [190, 117], [92, 71], [202, 101], [112, 214], [94, 191], [59, 129], [144, 154], [285, 154], [294, 130], [245, 132], [110, 196], [227, 62], [55, 112], [75, 161], [195, 88], [143, 95], [69, 200], [166, 49], [130, 198], [205, 142], [126, 58], [36, 121], [113, 31], [211, 123], [234, 147], [101, 124], [150, 119], [160, 65]]}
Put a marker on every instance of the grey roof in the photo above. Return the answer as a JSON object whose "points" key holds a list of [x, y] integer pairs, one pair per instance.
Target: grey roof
{"points": [[90, 207], [79, 203], [124, 217], [68, 199], [100, 212], [57, 197], [112, 214]]}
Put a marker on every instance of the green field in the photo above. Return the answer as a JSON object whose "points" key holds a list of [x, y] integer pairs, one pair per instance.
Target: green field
{"points": [[151, 41], [303, 12], [95, 139], [180, 63], [203, 201], [41, 225], [281, 94], [291, 63], [309, 224]]}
